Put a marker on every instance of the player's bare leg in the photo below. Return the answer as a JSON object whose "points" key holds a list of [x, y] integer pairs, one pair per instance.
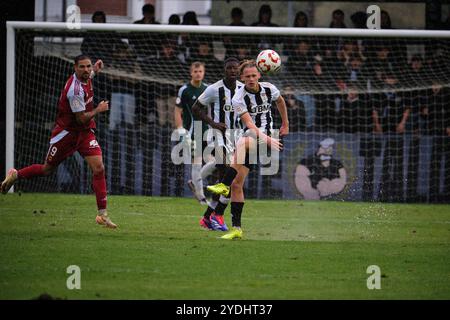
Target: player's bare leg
{"points": [[99, 186], [35, 170], [9, 181], [237, 202]]}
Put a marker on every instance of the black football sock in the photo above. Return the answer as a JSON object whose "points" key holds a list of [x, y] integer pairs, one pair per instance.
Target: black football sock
{"points": [[229, 176], [208, 212], [222, 205], [220, 208], [236, 213]]}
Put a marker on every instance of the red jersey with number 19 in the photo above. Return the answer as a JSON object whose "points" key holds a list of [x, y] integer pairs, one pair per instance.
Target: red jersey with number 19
{"points": [[75, 97]]}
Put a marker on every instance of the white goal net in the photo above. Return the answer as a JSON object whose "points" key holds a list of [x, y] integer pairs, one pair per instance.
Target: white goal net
{"points": [[377, 104]]}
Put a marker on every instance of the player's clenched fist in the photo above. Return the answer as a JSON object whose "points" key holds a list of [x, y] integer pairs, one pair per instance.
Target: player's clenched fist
{"points": [[103, 106], [98, 66]]}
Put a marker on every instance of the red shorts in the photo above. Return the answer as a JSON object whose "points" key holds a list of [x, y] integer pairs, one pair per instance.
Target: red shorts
{"points": [[65, 143]]}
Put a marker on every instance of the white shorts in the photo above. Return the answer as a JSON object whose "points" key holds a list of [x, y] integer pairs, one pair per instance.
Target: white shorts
{"points": [[215, 138]]}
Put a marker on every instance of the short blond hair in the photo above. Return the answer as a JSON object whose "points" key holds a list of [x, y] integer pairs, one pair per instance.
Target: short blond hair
{"points": [[196, 64], [246, 64]]}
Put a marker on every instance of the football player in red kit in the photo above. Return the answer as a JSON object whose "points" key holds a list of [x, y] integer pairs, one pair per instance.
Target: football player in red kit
{"points": [[74, 131]]}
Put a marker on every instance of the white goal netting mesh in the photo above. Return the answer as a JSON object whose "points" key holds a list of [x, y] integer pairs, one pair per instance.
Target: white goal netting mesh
{"points": [[383, 101]]}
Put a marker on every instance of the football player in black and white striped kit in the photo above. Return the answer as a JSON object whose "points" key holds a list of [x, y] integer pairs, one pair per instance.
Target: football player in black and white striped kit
{"points": [[253, 104], [215, 108]]}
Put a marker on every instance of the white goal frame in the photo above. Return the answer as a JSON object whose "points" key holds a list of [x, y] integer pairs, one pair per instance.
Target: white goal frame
{"points": [[12, 26]]}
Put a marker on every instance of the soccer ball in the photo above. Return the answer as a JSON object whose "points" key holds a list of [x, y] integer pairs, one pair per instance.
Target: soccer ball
{"points": [[268, 62]]}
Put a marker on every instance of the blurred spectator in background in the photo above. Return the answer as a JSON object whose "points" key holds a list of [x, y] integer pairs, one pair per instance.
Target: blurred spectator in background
{"points": [[187, 42], [324, 98], [300, 60], [124, 59], [359, 20], [380, 64], [385, 22], [168, 69], [237, 17], [417, 71], [414, 76], [168, 65], [355, 72], [337, 19], [414, 99], [301, 20], [353, 111], [204, 53], [264, 20], [146, 44], [319, 77], [445, 25], [437, 112], [390, 118], [265, 17], [242, 52], [349, 51], [369, 141], [148, 12], [331, 45], [100, 45], [99, 17], [232, 41], [190, 18], [397, 47], [122, 120], [296, 111], [318, 81], [174, 19]]}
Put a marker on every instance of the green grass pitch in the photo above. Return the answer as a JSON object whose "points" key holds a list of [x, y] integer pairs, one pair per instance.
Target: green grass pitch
{"points": [[291, 250]]}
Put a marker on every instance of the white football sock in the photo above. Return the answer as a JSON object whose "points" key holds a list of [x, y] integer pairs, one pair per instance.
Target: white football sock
{"points": [[224, 199], [208, 169], [213, 204], [197, 180]]}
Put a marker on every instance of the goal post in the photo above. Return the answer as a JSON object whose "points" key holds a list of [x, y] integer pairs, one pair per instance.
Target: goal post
{"points": [[10, 99], [141, 83]]}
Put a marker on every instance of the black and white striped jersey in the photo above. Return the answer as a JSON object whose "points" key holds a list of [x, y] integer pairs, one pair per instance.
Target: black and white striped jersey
{"points": [[258, 105], [218, 98]]}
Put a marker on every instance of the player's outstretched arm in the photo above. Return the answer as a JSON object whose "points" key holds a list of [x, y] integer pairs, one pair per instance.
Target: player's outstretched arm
{"points": [[86, 116], [273, 143], [281, 105]]}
